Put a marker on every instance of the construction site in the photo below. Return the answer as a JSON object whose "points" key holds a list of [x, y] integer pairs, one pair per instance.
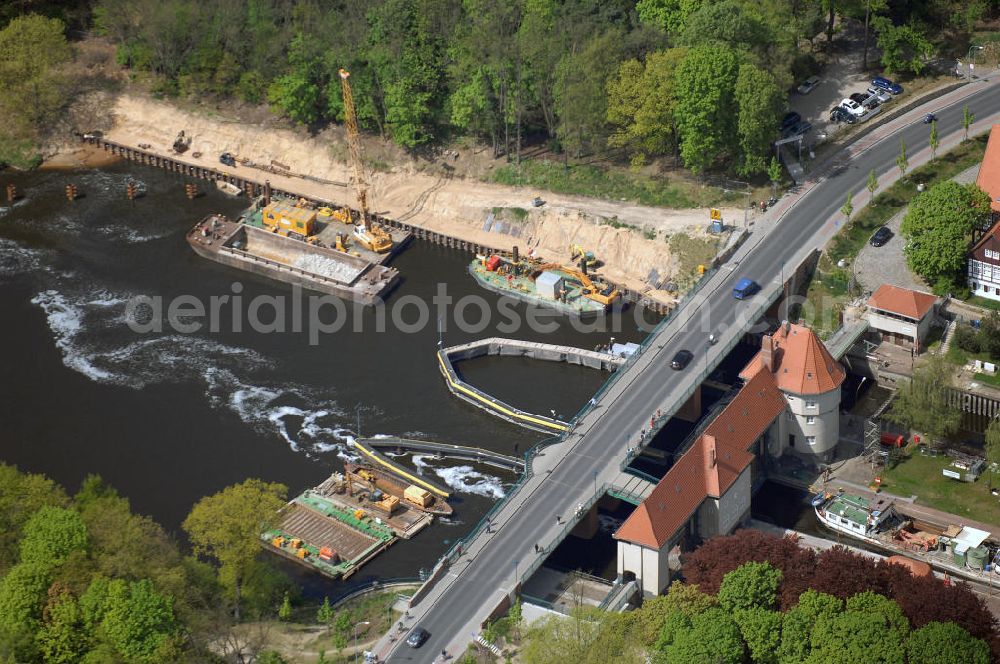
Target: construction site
{"points": [[631, 241]]}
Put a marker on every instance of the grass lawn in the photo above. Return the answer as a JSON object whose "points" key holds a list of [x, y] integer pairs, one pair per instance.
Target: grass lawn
{"points": [[921, 476], [825, 298], [827, 292], [615, 184], [984, 302], [853, 236], [690, 252], [302, 640]]}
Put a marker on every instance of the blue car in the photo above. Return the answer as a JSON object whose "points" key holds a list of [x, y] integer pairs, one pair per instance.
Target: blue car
{"points": [[745, 288], [883, 83]]}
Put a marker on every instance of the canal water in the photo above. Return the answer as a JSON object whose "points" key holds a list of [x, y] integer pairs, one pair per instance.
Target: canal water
{"points": [[168, 416]]}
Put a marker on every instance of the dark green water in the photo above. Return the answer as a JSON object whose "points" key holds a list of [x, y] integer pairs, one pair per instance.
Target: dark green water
{"points": [[169, 417]]}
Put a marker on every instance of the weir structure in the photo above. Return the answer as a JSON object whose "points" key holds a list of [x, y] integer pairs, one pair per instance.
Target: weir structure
{"points": [[446, 450], [516, 348]]}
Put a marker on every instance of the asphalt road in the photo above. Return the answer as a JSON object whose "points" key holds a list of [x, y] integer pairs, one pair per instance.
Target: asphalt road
{"points": [[804, 226]]}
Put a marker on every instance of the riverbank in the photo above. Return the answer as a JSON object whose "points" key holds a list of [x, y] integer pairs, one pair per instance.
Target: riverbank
{"points": [[632, 240], [76, 156]]}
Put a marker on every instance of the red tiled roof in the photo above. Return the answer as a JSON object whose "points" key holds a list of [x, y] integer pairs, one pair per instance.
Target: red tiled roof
{"points": [[989, 170], [903, 301], [800, 362], [695, 477], [749, 414]]}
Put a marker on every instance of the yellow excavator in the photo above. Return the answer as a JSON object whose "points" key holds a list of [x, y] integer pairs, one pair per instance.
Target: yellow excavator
{"points": [[578, 253], [601, 293], [367, 233]]}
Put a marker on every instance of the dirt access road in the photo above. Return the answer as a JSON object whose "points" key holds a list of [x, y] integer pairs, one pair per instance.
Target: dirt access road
{"points": [[636, 256]]}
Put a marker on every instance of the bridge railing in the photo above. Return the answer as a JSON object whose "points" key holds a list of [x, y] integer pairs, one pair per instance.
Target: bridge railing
{"points": [[644, 344], [459, 546], [570, 524], [771, 294]]}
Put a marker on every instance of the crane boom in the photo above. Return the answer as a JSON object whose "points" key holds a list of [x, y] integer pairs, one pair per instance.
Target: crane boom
{"points": [[354, 146]]}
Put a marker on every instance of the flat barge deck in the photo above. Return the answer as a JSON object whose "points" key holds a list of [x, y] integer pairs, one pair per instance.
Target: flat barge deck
{"points": [[293, 261], [326, 537]]}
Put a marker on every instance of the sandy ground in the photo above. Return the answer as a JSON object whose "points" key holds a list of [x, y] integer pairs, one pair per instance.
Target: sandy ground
{"points": [[452, 205], [79, 156]]}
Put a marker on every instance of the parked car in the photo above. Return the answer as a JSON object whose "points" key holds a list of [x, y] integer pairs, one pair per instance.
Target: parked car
{"points": [[537, 202], [790, 120], [227, 159], [681, 359], [883, 83], [881, 95], [839, 114], [871, 103], [881, 235], [858, 97], [853, 107], [417, 637], [808, 85], [797, 129]]}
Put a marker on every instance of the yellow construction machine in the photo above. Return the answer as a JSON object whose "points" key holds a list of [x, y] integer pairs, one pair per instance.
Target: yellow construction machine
{"points": [[367, 233], [577, 253], [598, 292]]}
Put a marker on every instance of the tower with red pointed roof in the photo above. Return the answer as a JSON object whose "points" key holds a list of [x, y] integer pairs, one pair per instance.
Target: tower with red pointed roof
{"points": [[810, 379]]}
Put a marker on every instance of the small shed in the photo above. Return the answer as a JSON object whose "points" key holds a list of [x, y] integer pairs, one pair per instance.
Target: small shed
{"points": [[550, 285]]}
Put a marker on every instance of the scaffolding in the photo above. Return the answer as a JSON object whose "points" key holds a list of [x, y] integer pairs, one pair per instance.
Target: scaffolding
{"points": [[873, 434]]}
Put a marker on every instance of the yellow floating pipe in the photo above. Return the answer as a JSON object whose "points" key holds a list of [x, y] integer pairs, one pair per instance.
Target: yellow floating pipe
{"points": [[399, 471]]}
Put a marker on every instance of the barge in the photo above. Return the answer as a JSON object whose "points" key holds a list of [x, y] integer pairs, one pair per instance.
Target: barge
{"points": [[372, 479], [326, 537], [565, 289], [285, 258], [960, 550]]}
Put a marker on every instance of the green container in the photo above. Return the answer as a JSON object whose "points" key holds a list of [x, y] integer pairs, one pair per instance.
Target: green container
{"points": [[959, 558], [977, 557]]}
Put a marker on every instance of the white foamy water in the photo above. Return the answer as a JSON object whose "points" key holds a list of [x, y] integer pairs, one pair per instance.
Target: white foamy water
{"points": [[15, 258], [85, 326], [464, 479]]}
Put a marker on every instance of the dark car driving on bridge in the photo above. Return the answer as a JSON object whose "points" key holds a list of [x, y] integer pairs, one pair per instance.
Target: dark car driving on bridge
{"points": [[417, 637], [681, 359]]}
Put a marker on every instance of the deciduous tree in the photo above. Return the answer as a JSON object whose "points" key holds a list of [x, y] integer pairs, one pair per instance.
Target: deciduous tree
{"points": [[945, 642], [904, 47], [847, 209], [640, 105], [921, 405], [51, 535], [968, 118], [938, 228], [749, 586], [872, 185], [227, 527], [713, 638], [703, 105], [760, 102], [761, 630]]}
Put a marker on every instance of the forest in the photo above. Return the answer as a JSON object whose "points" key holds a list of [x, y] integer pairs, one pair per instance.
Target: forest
{"points": [[703, 83]]}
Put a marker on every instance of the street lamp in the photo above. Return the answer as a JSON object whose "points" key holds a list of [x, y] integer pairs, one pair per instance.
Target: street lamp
{"points": [[516, 561], [356, 625], [968, 58], [595, 484]]}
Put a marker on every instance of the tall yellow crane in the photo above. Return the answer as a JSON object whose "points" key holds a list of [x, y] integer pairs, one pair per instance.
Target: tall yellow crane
{"points": [[367, 233]]}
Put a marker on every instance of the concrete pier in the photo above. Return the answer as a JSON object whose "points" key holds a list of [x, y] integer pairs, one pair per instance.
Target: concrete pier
{"points": [[534, 350], [516, 348]]}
